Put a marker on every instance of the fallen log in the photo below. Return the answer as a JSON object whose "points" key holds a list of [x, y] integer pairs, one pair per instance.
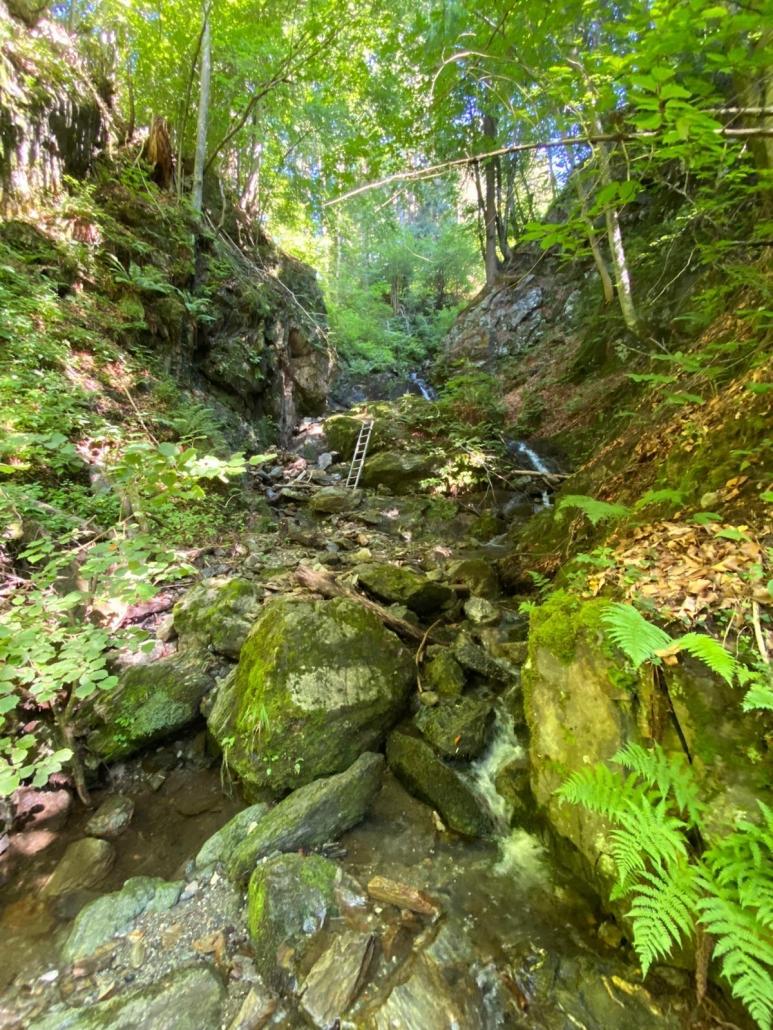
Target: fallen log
{"points": [[323, 583]]}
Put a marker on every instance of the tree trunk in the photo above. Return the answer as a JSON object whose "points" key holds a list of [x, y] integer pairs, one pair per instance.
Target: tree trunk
{"points": [[490, 211], [598, 257], [203, 119]]}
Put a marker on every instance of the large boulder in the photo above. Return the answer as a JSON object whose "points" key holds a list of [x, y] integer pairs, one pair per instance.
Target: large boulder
{"points": [[441, 673], [84, 864], [152, 701], [318, 683], [218, 614], [288, 900], [397, 471], [403, 586], [427, 777], [341, 432], [187, 999], [311, 815], [477, 574], [332, 500], [114, 914]]}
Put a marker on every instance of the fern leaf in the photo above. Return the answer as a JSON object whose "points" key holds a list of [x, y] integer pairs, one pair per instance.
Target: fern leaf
{"points": [[709, 651], [662, 913], [638, 639], [601, 790], [595, 510], [758, 697], [671, 774]]}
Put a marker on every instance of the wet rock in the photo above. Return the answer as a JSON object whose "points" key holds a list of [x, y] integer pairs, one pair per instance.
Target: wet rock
{"points": [[256, 1011], [218, 613], [442, 673], [512, 783], [428, 698], [152, 701], [111, 818], [427, 777], [337, 977], [220, 846], [395, 583], [311, 815], [399, 472], [288, 900], [331, 500], [477, 574], [341, 432], [456, 728], [474, 658], [325, 460], [481, 612], [113, 914], [318, 683], [85, 863], [187, 999]]}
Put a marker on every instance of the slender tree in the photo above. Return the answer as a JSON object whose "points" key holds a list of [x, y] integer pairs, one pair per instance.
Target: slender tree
{"points": [[203, 118]]}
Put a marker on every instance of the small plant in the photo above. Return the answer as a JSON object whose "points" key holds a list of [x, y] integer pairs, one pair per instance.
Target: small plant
{"points": [[594, 510]]}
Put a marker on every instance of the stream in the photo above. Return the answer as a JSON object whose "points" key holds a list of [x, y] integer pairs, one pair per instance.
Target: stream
{"points": [[516, 940]]}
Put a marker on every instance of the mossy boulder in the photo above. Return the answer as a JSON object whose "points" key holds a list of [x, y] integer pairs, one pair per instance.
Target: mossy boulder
{"points": [[288, 900], [399, 472], [218, 613], [310, 816], [113, 914], [332, 500], [427, 777], [477, 574], [397, 584], [475, 659], [318, 683], [341, 432], [456, 728], [512, 784], [442, 674], [152, 701]]}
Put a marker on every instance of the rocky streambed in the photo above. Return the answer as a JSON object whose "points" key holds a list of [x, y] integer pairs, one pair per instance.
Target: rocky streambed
{"points": [[341, 831]]}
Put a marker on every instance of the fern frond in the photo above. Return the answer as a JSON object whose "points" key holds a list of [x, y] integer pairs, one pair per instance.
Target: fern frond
{"points": [[758, 697], [596, 511], [630, 631], [709, 651], [662, 913], [669, 773], [601, 790]]}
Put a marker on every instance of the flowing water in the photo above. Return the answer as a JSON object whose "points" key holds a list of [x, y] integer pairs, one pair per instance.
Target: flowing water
{"points": [[427, 392], [537, 464]]}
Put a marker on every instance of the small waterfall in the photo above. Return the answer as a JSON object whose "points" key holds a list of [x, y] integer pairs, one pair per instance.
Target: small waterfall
{"points": [[537, 464], [424, 388], [481, 775]]}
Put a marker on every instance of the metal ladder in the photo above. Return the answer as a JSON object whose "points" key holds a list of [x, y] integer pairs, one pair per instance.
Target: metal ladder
{"points": [[360, 450]]}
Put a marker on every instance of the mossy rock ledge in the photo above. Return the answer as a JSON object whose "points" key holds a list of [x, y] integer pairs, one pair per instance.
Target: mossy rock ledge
{"points": [[218, 613], [318, 683]]}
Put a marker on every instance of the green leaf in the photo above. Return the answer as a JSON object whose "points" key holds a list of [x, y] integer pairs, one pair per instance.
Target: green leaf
{"points": [[638, 639]]}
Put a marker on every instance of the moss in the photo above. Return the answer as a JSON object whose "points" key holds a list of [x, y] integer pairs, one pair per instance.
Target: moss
{"points": [[557, 624]]}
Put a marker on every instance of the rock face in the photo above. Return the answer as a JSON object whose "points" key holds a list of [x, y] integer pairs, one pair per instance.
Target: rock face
{"points": [[424, 774], [151, 702], [312, 815], [442, 674], [477, 574], [187, 999], [582, 704], [318, 683], [287, 903], [397, 471], [113, 914], [402, 586], [218, 613], [456, 728]]}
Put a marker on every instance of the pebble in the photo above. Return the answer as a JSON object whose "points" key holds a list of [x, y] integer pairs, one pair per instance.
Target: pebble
{"points": [[190, 890]]}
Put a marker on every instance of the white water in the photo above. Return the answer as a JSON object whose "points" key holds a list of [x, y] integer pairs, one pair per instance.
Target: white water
{"points": [[426, 391], [503, 748], [537, 464]]}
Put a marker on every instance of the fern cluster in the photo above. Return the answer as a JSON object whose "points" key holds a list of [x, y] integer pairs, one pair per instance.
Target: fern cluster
{"points": [[654, 810]]}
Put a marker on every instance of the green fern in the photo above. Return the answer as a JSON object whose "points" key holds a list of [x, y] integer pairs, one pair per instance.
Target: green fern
{"points": [[710, 652], [759, 696], [663, 912], [669, 773], [638, 639], [595, 510]]}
